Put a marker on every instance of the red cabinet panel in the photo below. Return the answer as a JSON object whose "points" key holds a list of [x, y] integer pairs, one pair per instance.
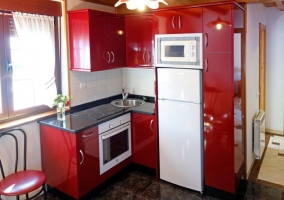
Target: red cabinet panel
{"points": [[97, 40], [178, 21], [219, 121], [70, 161], [139, 41], [218, 40], [144, 140]]}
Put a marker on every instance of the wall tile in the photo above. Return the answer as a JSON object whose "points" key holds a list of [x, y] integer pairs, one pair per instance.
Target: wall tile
{"points": [[90, 86]]}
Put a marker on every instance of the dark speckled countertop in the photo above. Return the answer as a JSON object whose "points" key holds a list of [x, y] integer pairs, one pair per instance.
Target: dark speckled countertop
{"points": [[75, 124]]}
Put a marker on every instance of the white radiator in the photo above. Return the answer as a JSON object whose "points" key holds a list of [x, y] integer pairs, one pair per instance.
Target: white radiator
{"points": [[259, 134]]}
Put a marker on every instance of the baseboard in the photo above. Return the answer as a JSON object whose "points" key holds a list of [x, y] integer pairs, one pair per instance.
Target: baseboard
{"points": [[276, 132]]}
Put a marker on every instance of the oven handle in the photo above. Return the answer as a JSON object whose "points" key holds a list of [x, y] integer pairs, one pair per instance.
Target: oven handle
{"points": [[116, 131]]}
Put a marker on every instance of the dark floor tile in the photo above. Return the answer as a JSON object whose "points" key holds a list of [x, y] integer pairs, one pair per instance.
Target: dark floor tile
{"points": [[118, 194], [135, 184], [239, 196], [49, 197], [259, 191], [243, 187], [181, 195], [159, 191], [266, 183]]}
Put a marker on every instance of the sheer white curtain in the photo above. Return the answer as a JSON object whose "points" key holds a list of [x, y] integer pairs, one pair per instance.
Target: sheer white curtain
{"points": [[36, 41]]}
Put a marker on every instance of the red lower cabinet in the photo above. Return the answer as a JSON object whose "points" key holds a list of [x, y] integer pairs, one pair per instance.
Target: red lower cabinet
{"points": [[144, 140], [70, 161]]}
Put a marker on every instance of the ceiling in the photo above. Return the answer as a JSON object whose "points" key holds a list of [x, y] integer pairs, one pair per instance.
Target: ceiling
{"points": [[173, 3]]}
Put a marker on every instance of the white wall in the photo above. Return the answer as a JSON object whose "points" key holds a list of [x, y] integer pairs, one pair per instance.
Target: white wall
{"points": [[7, 151], [255, 15], [274, 70]]}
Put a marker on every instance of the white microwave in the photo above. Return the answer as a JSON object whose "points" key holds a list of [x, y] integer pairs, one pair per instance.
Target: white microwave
{"points": [[178, 50]]}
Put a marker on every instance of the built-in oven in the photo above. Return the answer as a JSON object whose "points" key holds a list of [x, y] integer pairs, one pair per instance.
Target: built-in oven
{"points": [[114, 142]]}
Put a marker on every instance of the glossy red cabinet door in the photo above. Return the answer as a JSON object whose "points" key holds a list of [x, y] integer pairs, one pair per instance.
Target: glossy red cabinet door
{"points": [[219, 121], [178, 21], [88, 160], [97, 40], [144, 140], [139, 41], [218, 40], [79, 38], [70, 161], [116, 41]]}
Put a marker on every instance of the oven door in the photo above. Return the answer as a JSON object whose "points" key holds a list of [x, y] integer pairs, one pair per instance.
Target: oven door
{"points": [[114, 146]]}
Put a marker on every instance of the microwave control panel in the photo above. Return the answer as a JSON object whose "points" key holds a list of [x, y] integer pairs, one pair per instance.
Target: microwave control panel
{"points": [[192, 51]]}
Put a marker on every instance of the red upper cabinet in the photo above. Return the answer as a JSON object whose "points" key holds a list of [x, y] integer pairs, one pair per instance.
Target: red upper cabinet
{"points": [[187, 20], [218, 28], [144, 140], [139, 41], [97, 40], [70, 161]]}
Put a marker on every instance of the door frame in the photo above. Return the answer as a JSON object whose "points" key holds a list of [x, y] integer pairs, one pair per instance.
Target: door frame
{"points": [[243, 92], [262, 67]]}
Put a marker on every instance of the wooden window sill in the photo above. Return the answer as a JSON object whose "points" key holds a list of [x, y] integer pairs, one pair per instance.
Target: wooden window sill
{"points": [[27, 120]]}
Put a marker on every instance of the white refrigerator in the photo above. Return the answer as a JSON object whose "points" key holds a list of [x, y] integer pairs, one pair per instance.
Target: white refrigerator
{"points": [[180, 121]]}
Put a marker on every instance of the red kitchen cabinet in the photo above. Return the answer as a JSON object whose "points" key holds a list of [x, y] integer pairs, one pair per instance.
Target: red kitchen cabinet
{"points": [[218, 28], [139, 40], [187, 20], [70, 161], [219, 121], [97, 40], [144, 140]]}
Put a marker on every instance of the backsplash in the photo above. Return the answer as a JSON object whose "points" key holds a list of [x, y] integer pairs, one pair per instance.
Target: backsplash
{"points": [[139, 81], [90, 86]]}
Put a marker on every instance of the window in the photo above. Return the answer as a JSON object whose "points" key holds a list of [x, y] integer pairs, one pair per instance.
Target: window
{"points": [[29, 63]]}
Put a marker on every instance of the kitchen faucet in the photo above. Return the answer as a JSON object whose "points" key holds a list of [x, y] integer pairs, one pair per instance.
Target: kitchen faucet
{"points": [[124, 95]]}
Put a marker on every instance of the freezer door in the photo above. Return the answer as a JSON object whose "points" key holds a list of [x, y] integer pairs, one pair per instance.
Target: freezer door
{"points": [[181, 143], [179, 84]]}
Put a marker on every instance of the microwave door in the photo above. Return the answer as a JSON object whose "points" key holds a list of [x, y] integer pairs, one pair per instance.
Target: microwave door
{"points": [[174, 51]]}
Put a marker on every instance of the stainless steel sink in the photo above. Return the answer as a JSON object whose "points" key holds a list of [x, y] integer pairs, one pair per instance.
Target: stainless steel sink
{"points": [[127, 103]]}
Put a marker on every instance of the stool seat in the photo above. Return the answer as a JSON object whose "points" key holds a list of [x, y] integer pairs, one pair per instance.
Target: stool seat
{"points": [[22, 182]]}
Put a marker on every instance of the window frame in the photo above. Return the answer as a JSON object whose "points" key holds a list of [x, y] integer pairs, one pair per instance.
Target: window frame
{"points": [[8, 114]]}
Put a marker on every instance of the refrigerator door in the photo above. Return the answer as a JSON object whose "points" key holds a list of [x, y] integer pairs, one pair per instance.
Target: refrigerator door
{"points": [[181, 143], [179, 84]]}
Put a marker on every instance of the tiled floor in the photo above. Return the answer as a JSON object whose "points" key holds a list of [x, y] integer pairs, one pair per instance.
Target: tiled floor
{"points": [[139, 186]]}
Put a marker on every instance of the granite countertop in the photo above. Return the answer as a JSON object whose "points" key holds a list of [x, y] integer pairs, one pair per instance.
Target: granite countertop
{"points": [[75, 124]]}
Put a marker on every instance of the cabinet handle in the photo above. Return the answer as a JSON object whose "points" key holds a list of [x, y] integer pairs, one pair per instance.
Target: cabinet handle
{"points": [[88, 134], [108, 57], [82, 154], [144, 57], [173, 21], [206, 40], [149, 56], [206, 65], [151, 123], [179, 21], [112, 56]]}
